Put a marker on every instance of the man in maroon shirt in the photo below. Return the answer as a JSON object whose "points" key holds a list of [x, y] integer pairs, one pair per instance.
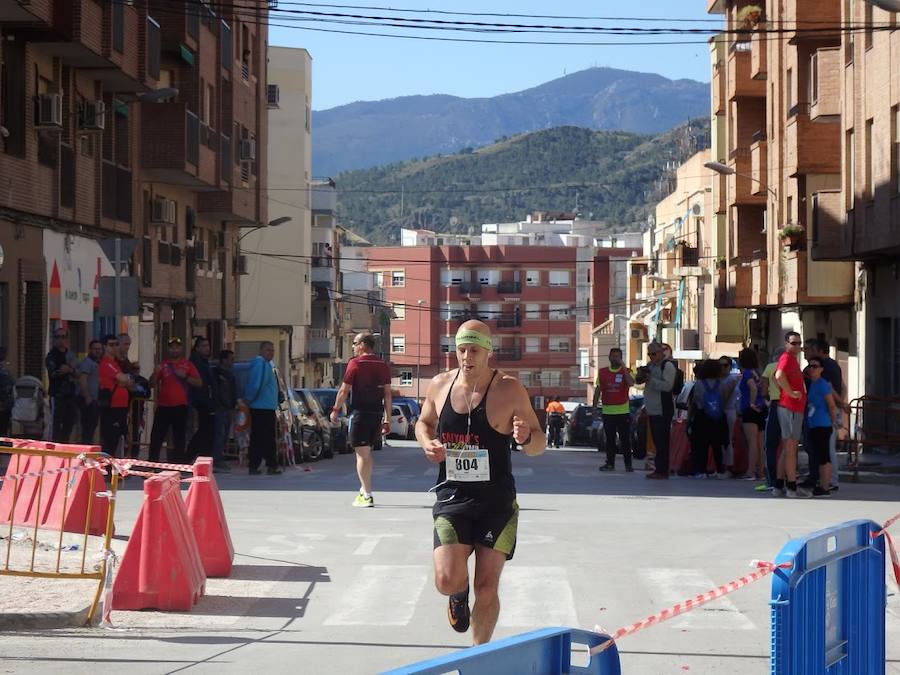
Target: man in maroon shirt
{"points": [[369, 378]]}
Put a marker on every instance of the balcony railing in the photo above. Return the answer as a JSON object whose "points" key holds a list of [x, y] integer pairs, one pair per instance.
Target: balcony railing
{"points": [[470, 287], [509, 287], [508, 354], [509, 321]]}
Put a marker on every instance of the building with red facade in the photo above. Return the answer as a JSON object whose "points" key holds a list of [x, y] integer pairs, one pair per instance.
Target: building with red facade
{"points": [[532, 297]]}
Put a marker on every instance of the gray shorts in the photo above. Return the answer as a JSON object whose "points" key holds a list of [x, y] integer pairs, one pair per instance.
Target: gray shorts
{"points": [[791, 424]]}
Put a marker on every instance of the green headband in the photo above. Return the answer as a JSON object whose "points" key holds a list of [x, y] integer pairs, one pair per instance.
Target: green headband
{"points": [[473, 337]]}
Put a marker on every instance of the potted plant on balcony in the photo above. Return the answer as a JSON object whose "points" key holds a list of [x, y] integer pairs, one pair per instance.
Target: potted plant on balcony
{"points": [[748, 17], [721, 263], [792, 235]]}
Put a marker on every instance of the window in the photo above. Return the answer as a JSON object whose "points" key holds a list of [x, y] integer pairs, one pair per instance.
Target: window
{"points": [[847, 18], [789, 89], [406, 378], [399, 310], [814, 78], [533, 278], [488, 277], [559, 312], [870, 161], [532, 345], [446, 344], [525, 378], [559, 344], [895, 148], [452, 277], [868, 23], [559, 277], [378, 279], [584, 364], [488, 311], [496, 343], [850, 171], [398, 344], [398, 278], [532, 311], [551, 378]]}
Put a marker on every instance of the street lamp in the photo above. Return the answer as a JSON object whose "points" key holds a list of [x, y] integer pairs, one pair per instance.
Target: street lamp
{"points": [[271, 223], [726, 170], [419, 351]]}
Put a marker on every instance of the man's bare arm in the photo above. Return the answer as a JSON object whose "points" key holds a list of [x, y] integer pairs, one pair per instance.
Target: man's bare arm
{"points": [[525, 412], [342, 395], [426, 427], [782, 381]]}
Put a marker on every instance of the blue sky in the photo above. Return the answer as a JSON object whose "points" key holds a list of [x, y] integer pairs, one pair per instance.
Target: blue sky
{"points": [[350, 68]]}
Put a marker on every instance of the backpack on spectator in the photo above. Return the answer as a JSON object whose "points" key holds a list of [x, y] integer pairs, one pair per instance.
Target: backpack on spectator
{"points": [[679, 379], [713, 406]]}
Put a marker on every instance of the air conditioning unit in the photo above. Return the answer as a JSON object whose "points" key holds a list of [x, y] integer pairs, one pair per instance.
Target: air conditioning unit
{"points": [[162, 211], [200, 252], [240, 265], [48, 111], [273, 94], [248, 149], [637, 334], [92, 116]]}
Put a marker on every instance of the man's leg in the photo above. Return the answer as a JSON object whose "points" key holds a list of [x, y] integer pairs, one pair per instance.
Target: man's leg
{"points": [[364, 466], [270, 453], [179, 420], [161, 423], [624, 427], [451, 568], [254, 451], [488, 567], [609, 431], [222, 422], [660, 427]]}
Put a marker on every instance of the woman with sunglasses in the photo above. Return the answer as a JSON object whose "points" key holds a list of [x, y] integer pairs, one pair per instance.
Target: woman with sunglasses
{"points": [[821, 418]]}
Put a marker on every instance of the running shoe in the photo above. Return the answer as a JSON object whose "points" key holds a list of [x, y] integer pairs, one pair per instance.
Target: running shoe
{"points": [[363, 502], [762, 487], [799, 493], [458, 613], [820, 492], [778, 492], [607, 467]]}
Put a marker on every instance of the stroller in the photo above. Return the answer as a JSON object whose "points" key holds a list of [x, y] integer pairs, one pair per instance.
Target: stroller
{"points": [[30, 411]]}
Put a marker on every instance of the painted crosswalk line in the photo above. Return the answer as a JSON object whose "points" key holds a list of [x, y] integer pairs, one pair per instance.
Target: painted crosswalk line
{"points": [[373, 597], [668, 586], [532, 597]]}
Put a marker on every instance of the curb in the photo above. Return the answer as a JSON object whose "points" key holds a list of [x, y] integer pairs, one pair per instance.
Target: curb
{"points": [[44, 620]]}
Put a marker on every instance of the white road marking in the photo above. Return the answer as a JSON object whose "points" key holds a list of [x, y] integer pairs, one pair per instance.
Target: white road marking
{"points": [[373, 598], [670, 585], [369, 542], [287, 544], [531, 597], [523, 472]]}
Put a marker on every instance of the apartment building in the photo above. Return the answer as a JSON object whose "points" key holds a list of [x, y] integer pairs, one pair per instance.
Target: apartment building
{"points": [[856, 85], [774, 150], [529, 296], [364, 306], [123, 120], [277, 263]]}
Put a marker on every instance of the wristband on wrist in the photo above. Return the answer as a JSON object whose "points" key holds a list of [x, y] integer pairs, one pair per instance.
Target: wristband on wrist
{"points": [[527, 440]]}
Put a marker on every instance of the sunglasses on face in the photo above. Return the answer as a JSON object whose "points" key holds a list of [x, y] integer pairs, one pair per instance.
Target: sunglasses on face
{"points": [[814, 365], [795, 344]]}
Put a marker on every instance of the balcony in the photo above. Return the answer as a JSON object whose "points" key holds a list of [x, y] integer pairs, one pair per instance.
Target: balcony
{"points": [[759, 280], [826, 71], [740, 285], [759, 167], [320, 345], [719, 89], [117, 192], [874, 228], [813, 14], [171, 151], [720, 193], [741, 188], [740, 82], [509, 321], [810, 147], [234, 205], [509, 287], [508, 354], [323, 275], [758, 54], [793, 277], [469, 288]]}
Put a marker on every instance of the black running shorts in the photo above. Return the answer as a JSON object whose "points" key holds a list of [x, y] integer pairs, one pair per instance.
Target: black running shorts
{"points": [[476, 523], [365, 428]]}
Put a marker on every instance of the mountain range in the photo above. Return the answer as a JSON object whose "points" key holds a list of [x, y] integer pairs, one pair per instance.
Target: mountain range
{"points": [[365, 134], [611, 176]]}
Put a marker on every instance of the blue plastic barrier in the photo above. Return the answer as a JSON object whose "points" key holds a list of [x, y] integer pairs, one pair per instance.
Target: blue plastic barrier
{"points": [[543, 652], [828, 610]]}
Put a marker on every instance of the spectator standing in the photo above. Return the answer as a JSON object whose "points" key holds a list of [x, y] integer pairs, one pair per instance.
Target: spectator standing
{"points": [[658, 379], [369, 378], [113, 398], [89, 391], [612, 389], [226, 402], [261, 395], [791, 408], [815, 348], [7, 393], [773, 428], [708, 420], [203, 400], [556, 420], [732, 396], [821, 417], [174, 377], [753, 412], [62, 365]]}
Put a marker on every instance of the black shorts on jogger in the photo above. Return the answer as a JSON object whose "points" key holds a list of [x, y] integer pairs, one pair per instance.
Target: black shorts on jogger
{"points": [[476, 523], [365, 428]]}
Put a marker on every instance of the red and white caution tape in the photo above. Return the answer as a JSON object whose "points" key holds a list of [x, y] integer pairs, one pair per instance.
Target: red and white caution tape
{"points": [[895, 559], [88, 464], [763, 568], [128, 463]]}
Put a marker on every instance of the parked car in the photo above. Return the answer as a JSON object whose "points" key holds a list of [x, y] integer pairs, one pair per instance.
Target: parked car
{"points": [[411, 418], [579, 429], [308, 441], [322, 421], [339, 429], [413, 404], [401, 426]]}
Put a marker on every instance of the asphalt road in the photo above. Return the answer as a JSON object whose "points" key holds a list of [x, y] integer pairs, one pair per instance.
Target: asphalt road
{"points": [[321, 587]]}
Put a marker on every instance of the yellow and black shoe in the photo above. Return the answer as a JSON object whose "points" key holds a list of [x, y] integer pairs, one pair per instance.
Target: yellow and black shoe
{"points": [[458, 611]]}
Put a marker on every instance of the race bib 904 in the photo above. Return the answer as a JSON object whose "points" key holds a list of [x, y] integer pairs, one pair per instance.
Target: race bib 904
{"points": [[468, 465]]}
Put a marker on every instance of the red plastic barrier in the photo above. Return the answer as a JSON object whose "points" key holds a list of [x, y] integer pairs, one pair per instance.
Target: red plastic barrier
{"points": [[161, 566], [50, 500], [739, 443], [207, 518]]}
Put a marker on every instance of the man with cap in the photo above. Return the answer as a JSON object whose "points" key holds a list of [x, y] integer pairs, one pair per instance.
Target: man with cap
{"points": [[369, 378], [470, 437], [173, 378]]}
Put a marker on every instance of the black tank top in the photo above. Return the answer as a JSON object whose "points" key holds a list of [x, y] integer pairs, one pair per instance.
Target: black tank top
{"points": [[452, 428]]}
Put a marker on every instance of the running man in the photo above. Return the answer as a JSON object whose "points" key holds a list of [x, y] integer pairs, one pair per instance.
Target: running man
{"points": [[476, 507], [369, 378]]}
